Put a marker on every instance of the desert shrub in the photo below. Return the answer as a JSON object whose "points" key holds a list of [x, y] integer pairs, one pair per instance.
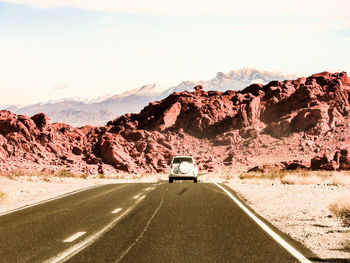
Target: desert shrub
{"points": [[294, 178], [274, 174], [40, 174], [341, 209], [316, 177], [65, 173], [13, 174], [135, 176], [28, 173], [17, 173], [346, 244], [84, 176], [341, 178], [300, 177]]}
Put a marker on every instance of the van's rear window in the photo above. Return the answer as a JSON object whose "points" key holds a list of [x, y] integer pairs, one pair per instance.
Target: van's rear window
{"points": [[184, 159]]}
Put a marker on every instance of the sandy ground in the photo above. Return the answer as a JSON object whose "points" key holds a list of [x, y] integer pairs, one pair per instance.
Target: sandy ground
{"points": [[301, 211]]}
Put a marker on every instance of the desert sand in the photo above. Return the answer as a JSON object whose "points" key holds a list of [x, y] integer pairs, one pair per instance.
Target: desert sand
{"points": [[302, 212]]}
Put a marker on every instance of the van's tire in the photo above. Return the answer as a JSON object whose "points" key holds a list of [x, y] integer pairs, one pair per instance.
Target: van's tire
{"points": [[195, 180], [171, 180]]}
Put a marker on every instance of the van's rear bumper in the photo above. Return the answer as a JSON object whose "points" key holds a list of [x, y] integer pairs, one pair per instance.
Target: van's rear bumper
{"points": [[182, 176]]}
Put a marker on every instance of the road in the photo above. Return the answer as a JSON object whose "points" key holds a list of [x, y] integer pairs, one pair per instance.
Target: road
{"points": [[149, 222]]}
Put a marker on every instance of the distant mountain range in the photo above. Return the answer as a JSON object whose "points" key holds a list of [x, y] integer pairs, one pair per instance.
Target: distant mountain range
{"points": [[99, 111]]}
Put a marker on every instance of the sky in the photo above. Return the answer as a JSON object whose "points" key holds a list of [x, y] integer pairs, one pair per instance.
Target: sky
{"points": [[53, 49]]}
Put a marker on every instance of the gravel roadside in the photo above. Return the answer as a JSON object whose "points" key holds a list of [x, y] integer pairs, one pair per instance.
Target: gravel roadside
{"points": [[302, 212]]}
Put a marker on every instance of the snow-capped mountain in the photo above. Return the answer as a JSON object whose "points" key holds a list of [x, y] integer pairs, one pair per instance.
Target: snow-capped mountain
{"points": [[79, 99], [153, 89], [77, 111], [234, 80]]}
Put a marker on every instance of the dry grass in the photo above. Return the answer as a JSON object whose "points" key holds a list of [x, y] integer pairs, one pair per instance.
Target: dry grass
{"points": [[317, 177], [2, 196], [65, 173], [44, 175], [277, 176], [48, 176], [274, 174], [84, 176], [13, 174], [346, 244], [301, 177], [20, 173], [341, 209]]}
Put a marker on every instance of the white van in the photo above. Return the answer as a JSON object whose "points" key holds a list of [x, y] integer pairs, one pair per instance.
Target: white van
{"points": [[183, 168]]}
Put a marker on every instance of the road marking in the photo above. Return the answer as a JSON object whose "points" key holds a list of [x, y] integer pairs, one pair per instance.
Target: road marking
{"points": [[116, 211], [139, 197], [267, 229], [51, 199], [136, 196], [70, 252], [74, 237]]}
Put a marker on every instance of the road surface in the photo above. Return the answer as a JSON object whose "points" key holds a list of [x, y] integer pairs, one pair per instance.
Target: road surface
{"points": [[149, 222]]}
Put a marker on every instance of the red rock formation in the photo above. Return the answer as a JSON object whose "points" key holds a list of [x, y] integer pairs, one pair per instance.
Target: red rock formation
{"points": [[288, 120], [340, 161]]}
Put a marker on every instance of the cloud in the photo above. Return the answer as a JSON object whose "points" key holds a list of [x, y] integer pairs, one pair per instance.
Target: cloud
{"points": [[288, 27], [60, 87], [336, 9]]}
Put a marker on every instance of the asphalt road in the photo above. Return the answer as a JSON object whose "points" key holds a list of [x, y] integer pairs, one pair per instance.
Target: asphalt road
{"points": [[180, 222]]}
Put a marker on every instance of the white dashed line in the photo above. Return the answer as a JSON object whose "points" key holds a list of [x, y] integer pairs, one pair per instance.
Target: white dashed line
{"points": [[70, 252], [67, 254], [266, 228], [74, 237], [116, 211], [136, 196]]}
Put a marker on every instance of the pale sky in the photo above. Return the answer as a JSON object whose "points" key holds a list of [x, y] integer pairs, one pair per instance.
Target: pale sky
{"points": [[53, 49]]}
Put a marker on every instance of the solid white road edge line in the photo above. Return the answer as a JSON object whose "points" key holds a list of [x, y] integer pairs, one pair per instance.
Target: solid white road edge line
{"points": [[116, 211], [74, 237], [51, 199], [267, 229]]}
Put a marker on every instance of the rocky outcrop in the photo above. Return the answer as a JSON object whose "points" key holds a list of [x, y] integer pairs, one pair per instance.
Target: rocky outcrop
{"points": [[313, 105], [284, 120], [339, 161]]}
